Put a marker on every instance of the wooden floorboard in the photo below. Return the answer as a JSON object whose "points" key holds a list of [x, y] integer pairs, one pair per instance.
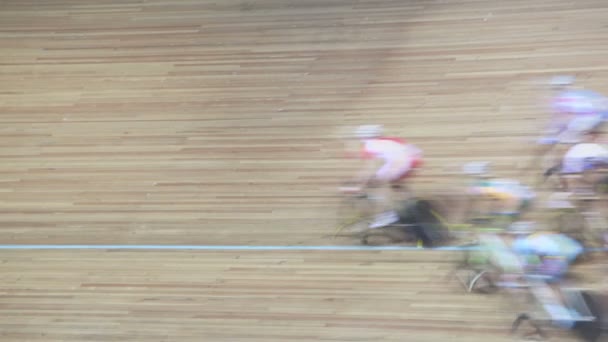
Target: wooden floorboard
{"points": [[241, 296], [206, 122], [218, 122]]}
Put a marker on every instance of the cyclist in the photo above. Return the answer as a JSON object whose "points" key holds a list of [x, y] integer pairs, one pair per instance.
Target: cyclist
{"points": [[584, 157], [548, 255], [388, 162], [574, 112], [510, 196]]}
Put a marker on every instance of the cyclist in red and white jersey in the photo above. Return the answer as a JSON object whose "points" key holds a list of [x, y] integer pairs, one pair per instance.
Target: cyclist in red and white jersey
{"points": [[398, 159]]}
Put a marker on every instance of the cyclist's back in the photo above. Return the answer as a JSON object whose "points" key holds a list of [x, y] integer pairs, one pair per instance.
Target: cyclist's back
{"points": [[579, 102], [399, 157], [579, 156], [549, 244], [574, 111]]}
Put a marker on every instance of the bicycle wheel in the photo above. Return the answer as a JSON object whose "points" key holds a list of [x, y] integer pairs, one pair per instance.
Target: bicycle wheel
{"points": [[534, 328], [590, 331], [386, 235], [352, 215], [419, 215], [475, 281], [473, 272]]}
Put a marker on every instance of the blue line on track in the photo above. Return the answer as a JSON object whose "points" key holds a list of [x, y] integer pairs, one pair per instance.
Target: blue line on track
{"points": [[247, 248], [234, 248]]}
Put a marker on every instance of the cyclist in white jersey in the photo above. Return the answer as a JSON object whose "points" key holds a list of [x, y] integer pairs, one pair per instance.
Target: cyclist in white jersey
{"points": [[574, 113]]}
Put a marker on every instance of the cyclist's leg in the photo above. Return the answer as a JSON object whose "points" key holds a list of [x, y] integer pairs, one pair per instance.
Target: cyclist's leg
{"points": [[546, 145], [571, 171], [401, 177], [548, 294], [558, 306], [380, 197], [399, 182], [388, 175]]}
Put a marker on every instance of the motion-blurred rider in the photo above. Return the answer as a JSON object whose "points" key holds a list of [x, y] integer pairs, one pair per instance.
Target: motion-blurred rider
{"points": [[573, 113], [548, 256], [388, 162]]}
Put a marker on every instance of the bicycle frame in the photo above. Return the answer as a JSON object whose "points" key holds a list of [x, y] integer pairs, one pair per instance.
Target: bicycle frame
{"points": [[544, 296]]}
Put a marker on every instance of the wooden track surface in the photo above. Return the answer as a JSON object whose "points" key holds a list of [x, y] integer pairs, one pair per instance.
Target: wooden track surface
{"points": [[241, 296], [206, 122], [218, 122]]}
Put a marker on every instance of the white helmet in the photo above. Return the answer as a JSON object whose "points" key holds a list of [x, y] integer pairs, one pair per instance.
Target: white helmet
{"points": [[561, 81], [369, 131]]}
